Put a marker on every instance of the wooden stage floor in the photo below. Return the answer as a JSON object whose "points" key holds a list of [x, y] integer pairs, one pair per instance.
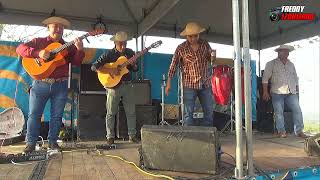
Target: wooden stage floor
{"points": [[270, 154]]}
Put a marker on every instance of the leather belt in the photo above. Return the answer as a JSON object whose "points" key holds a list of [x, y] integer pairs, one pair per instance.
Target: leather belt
{"points": [[52, 80]]}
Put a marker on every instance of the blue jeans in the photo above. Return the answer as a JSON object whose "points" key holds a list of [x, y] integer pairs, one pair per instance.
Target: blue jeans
{"points": [[40, 93], [292, 102], [206, 101]]}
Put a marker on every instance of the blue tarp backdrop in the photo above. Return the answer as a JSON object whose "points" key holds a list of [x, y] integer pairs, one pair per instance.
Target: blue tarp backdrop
{"points": [[14, 81]]}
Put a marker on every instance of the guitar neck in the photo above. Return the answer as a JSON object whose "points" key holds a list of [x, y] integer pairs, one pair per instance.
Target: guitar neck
{"points": [[68, 44], [134, 59]]}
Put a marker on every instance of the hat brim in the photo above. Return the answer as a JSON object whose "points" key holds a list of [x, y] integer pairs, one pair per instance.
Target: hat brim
{"points": [[289, 49], [113, 38], [184, 33], [58, 20]]}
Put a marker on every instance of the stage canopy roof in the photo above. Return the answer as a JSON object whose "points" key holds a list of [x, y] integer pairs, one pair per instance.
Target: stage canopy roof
{"points": [[168, 17]]}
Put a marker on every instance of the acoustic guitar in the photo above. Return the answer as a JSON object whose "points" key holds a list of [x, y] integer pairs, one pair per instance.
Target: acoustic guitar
{"points": [[42, 68], [109, 81]]}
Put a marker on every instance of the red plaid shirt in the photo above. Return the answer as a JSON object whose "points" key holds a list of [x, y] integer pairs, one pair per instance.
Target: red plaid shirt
{"points": [[195, 65]]}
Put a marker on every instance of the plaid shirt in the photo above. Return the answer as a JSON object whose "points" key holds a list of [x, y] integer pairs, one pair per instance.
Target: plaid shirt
{"points": [[284, 78], [196, 71]]}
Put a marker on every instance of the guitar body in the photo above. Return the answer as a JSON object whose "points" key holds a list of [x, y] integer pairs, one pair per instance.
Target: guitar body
{"points": [[43, 69], [106, 80]]}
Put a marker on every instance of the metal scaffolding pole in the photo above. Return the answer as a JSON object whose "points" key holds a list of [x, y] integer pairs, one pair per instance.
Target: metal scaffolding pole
{"points": [[137, 49], [247, 85], [180, 94], [259, 63], [237, 84], [141, 58]]}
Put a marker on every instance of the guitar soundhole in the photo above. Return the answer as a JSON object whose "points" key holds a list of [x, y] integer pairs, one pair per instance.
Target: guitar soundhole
{"points": [[52, 55], [37, 61], [119, 67]]}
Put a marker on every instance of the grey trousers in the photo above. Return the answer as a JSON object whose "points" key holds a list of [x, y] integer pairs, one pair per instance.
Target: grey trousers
{"points": [[125, 91]]}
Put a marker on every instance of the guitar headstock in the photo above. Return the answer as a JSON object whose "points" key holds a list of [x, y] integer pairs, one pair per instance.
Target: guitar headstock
{"points": [[156, 44], [97, 31]]}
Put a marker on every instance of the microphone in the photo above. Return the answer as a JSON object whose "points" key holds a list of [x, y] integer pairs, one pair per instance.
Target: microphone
{"points": [[164, 79], [213, 56]]}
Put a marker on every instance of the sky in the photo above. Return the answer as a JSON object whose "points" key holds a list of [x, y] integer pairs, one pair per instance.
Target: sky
{"points": [[305, 57]]}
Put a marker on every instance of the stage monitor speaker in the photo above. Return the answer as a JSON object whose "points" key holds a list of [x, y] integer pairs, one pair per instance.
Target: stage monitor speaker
{"points": [[91, 120], [180, 148], [145, 114]]}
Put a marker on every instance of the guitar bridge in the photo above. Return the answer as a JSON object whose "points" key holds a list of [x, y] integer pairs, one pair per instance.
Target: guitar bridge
{"points": [[38, 62]]}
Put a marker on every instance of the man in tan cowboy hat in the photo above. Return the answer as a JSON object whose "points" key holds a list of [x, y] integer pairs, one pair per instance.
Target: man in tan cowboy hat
{"points": [[54, 87], [284, 89], [124, 89], [194, 57]]}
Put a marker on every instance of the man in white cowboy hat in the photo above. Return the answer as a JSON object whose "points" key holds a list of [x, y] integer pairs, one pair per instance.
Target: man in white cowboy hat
{"points": [[194, 57], [54, 87], [284, 89], [123, 90]]}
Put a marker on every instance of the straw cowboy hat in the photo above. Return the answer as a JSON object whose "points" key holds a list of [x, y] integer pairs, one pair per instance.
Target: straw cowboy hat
{"points": [[191, 29], [55, 19], [288, 47], [120, 36]]}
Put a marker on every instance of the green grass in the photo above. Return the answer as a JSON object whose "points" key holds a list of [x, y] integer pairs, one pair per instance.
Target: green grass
{"points": [[313, 127]]}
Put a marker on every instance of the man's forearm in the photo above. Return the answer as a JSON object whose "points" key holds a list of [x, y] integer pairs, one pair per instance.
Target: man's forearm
{"points": [[265, 87], [169, 81]]}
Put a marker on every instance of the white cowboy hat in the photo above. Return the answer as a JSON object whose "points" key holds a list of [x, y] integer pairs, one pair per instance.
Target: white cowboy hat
{"points": [[191, 29], [120, 36], [55, 19], [288, 47]]}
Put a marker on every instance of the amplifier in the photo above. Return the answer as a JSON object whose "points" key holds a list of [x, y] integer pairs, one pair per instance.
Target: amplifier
{"points": [[142, 91], [89, 80], [180, 148], [91, 120]]}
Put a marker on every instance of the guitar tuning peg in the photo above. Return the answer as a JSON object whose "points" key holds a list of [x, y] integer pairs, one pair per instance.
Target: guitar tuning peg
{"points": [[87, 40]]}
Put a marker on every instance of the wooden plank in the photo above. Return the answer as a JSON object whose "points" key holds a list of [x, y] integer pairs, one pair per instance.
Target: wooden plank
{"points": [[117, 168], [54, 168], [67, 166], [102, 167], [19, 172], [132, 154], [5, 170], [79, 171], [277, 156], [91, 168]]}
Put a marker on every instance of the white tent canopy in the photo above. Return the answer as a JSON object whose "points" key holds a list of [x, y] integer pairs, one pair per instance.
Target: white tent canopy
{"points": [[167, 17]]}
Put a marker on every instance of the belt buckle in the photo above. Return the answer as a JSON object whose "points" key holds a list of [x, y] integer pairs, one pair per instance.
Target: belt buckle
{"points": [[50, 81]]}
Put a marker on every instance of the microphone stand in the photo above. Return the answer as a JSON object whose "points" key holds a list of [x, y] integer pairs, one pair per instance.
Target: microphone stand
{"points": [[163, 85], [72, 99]]}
